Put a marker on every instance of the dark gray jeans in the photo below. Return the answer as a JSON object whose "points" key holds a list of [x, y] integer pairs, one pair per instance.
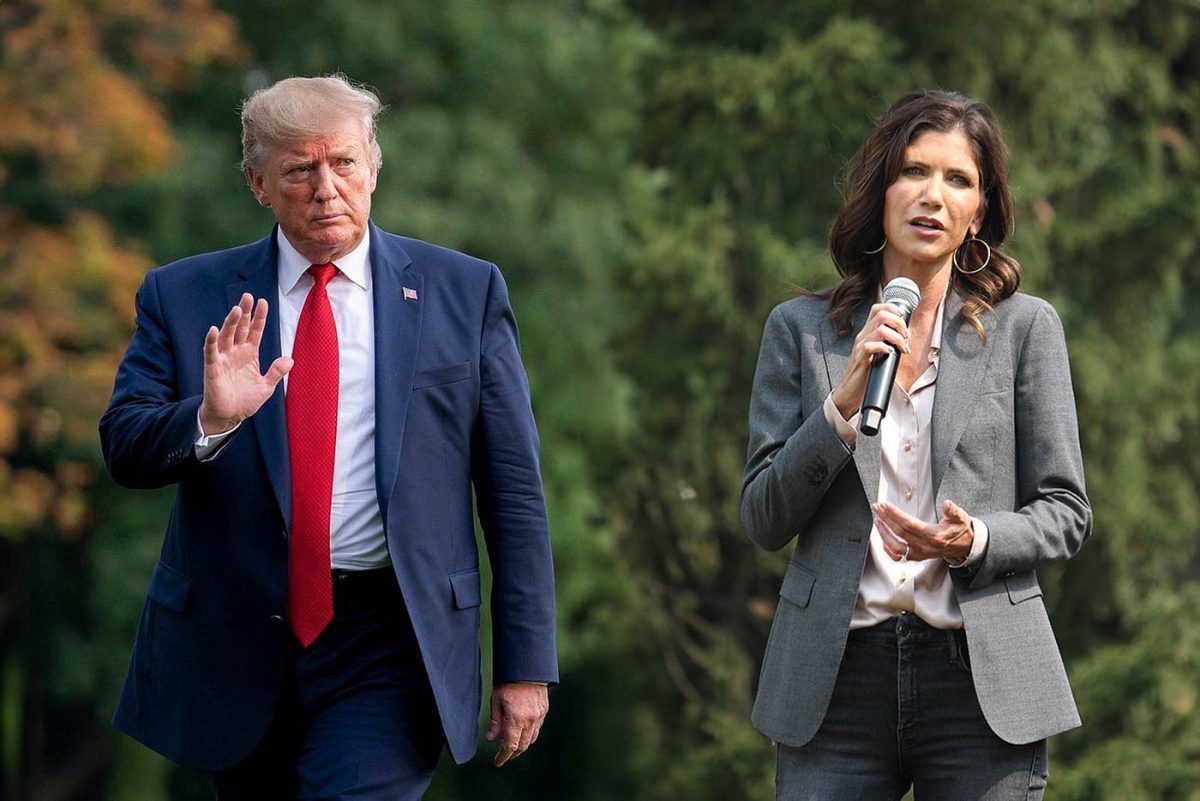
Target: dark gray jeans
{"points": [[904, 713]]}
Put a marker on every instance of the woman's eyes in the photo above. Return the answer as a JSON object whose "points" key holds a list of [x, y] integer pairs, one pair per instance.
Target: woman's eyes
{"points": [[918, 172]]}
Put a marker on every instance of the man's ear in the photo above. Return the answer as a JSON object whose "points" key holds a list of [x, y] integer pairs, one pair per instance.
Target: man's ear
{"points": [[255, 179]]}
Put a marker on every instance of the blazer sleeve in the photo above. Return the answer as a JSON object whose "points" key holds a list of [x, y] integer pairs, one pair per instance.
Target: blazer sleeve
{"points": [[793, 457], [511, 505], [1053, 515], [148, 432]]}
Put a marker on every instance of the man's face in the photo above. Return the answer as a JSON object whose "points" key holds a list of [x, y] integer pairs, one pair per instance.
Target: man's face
{"points": [[319, 189]]}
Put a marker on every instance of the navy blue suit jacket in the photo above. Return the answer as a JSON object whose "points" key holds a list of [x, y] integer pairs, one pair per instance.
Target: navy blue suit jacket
{"points": [[452, 412]]}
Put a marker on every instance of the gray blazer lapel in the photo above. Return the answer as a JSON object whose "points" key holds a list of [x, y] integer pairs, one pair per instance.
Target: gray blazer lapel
{"points": [[962, 366], [867, 456]]}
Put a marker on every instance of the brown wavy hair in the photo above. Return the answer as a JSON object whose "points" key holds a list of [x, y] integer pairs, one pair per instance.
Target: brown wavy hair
{"points": [[858, 226]]}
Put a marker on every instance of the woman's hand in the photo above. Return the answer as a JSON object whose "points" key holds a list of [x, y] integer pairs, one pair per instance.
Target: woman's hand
{"points": [[908, 537], [884, 328]]}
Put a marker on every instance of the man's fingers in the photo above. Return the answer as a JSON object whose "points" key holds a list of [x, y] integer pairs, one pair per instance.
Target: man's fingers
{"points": [[528, 735], [494, 719], [510, 740], [246, 304], [228, 328], [210, 346], [278, 369], [259, 323]]}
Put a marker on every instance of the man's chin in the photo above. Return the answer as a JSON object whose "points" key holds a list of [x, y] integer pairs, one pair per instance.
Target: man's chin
{"points": [[328, 244]]}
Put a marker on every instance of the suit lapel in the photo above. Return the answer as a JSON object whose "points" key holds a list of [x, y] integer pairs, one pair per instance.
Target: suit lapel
{"points": [[962, 365], [837, 356], [398, 316], [259, 275]]}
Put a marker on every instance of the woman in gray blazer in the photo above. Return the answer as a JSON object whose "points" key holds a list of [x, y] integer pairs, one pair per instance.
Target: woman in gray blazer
{"points": [[911, 646]]}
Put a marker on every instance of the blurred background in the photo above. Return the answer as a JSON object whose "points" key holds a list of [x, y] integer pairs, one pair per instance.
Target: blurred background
{"points": [[652, 176]]}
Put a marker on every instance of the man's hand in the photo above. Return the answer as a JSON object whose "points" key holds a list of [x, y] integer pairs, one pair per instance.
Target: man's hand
{"points": [[908, 537], [234, 388], [517, 713]]}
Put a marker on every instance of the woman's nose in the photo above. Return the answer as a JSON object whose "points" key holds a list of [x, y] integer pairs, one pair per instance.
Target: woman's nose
{"points": [[931, 194]]}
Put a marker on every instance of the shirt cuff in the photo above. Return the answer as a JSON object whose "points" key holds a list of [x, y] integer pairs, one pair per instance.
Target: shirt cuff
{"points": [[207, 446], [978, 545], [846, 429]]}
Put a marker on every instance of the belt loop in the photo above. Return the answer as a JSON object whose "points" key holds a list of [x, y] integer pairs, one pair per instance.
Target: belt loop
{"points": [[952, 642]]}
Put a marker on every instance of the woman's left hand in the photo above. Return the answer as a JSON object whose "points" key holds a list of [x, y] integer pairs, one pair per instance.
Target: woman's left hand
{"points": [[908, 537]]}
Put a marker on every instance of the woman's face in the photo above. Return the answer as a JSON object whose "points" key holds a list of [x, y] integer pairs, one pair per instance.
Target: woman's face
{"points": [[934, 203]]}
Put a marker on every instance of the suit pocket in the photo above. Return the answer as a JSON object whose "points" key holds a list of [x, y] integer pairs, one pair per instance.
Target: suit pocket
{"points": [[169, 587], [465, 588], [1022, 587], [797, 584], [442, 375]]}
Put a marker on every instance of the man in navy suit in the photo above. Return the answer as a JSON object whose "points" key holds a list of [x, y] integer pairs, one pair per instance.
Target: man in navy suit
{"points": [[312, 627]]}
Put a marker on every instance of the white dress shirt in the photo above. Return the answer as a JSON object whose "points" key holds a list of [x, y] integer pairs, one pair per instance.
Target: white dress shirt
{"points": [[906, 481], [357, 540]]}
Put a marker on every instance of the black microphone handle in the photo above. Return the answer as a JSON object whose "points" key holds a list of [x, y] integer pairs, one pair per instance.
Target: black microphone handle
{"points": [[879, 391]]}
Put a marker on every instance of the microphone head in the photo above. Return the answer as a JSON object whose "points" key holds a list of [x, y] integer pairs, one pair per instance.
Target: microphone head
{"points": [[903, 293]]}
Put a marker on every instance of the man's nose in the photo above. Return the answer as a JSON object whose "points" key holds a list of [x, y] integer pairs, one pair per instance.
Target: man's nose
{"points": [[323, 186]]}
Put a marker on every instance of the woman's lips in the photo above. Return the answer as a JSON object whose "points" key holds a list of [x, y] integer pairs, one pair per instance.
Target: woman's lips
{"points": [[925, 226]]}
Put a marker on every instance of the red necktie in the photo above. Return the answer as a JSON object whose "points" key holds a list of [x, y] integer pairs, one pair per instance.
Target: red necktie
{"points": [[312, 404]]}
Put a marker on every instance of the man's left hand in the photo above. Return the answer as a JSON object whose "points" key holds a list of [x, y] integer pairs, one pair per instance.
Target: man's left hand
{"points": [[518, 710]]}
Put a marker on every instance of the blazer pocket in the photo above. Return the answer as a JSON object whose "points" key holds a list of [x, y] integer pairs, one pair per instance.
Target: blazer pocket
{"points": [[465, 588], [1022, 587], [442, 375], [797, 584], [169, 587]]}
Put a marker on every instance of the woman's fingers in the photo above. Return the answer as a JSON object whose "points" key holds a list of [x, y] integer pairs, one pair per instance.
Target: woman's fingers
{"points": [[884, 331], [895, 545]]}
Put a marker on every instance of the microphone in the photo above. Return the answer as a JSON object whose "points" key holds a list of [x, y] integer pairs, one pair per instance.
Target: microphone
{"points": [[904, 295]]}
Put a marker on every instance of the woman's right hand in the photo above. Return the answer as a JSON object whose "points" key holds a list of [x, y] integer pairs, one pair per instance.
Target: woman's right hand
{"points": [[883, 329]]}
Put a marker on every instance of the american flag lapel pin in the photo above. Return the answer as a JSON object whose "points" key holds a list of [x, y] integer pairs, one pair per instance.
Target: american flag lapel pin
{"points": [[410, 293]]}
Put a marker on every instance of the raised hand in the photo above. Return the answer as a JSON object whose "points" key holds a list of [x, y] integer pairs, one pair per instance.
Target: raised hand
{"points": [[234, 386]]}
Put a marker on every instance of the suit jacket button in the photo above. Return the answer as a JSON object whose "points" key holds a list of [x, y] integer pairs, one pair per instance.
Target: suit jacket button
{"points": [[276, 618], [816, 472]]}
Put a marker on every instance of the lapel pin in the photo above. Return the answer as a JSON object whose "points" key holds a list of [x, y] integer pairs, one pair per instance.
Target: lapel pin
{"points": [[410, 293]]}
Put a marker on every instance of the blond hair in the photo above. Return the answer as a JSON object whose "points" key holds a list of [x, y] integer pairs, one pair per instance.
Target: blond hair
{"points": [[301, 108]]}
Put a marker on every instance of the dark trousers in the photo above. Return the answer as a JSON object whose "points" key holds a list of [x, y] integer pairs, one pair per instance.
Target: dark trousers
{"points": [[356, 717], [904, 712]]}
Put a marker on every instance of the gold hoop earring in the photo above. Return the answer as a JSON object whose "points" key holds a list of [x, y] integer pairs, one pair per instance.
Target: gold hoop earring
{"points": [[986, 261], [878, 249]]}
